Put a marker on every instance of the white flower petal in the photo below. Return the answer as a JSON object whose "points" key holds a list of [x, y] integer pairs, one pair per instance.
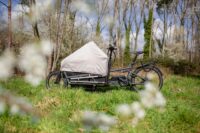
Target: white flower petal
{"points": [[46, 47], [7, 63], [107, 120], [36, 11], [14, 109], [151, 76], [150, 87], [138, 110], [33, 62], [2, 107], [124, 110], [89, 118], [33, 80], [159, 100], [147, 99], [81, 6]]}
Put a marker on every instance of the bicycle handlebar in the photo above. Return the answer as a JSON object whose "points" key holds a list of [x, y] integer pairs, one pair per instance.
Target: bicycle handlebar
{"points": [[113, 47], [138, 52]]}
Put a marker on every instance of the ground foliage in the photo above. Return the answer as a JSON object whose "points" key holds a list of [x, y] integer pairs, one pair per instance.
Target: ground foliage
{"points": [[60, 108]]}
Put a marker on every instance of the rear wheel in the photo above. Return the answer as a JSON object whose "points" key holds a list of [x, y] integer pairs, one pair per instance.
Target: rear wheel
{"points": [[53, 80], [146, 74]]}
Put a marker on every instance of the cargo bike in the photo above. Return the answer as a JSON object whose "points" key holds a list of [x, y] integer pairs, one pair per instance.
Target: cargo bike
{"points": [[90, 66]]}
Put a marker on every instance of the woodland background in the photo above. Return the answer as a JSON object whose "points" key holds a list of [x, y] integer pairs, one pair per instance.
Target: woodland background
{"points": [[167, 30]]}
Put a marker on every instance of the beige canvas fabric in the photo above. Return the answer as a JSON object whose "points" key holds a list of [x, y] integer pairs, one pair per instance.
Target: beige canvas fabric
{"points": [[88, 59]]}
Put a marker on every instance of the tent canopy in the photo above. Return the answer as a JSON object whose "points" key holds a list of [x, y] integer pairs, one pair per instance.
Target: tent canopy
{"points": [[88, 59]]}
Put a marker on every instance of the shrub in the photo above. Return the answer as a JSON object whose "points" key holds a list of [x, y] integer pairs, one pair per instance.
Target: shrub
{"points": [[182, 67]]}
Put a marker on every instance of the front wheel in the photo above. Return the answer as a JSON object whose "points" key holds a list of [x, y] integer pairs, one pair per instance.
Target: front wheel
{"points": [[53, 80], [146, 74]]}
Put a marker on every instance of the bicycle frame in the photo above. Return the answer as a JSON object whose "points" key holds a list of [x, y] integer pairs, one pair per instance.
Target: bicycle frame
{"points": [[75, 78], [130, 68]]}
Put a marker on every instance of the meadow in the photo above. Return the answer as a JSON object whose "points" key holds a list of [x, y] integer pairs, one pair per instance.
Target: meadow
{"points": [[60, 108]]}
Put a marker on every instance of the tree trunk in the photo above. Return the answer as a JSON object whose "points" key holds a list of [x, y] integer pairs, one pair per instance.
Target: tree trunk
{"points": [[9, 25], [50, 57], [136, 39], [36, 31], [35, 25], [57, 45], [151, 38], [164, 35], [98, 28], [127, 56], [118, 41]]}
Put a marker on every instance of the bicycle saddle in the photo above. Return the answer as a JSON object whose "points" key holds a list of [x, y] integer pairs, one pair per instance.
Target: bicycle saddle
{"points": [[139, 52]]}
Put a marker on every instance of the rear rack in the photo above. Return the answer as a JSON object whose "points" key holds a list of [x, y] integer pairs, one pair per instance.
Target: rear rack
{"points": [[83, 82], [84, 79], [123, 70]]}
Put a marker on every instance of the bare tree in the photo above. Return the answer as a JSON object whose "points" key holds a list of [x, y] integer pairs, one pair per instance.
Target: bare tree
{"points": [[56, 50], [102, 10], [9, 24], [30, 4], [9, 7], [164, 8], [127, 21], [138, 12], [181, 10]]}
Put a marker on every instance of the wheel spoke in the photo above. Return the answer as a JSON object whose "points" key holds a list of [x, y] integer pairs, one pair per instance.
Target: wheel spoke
{"points": [[53, 81], [143, 75]]}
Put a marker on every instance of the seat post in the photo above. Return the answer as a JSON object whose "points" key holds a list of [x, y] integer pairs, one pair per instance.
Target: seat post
{"points": [[134, 59]]}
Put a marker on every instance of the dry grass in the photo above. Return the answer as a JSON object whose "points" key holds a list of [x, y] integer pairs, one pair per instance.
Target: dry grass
{"points": [[61, 108]]}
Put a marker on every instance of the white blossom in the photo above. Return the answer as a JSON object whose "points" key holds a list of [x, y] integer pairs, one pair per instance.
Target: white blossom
{"points": [[150, 87], [151, 96], [2, 107], [36, 10], [33, 62], [32, 79], [124, 110], [81, 6], [159, 100], [105, 121], [93, 119], [16, 105], [89, 119], [151, 76], [14, 109], [147, 99], [7, 62], [138, 110], [46, 47]]}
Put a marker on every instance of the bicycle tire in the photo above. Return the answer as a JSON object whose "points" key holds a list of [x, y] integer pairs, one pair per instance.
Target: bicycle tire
{"points": [[51, 75], [147, 68]]}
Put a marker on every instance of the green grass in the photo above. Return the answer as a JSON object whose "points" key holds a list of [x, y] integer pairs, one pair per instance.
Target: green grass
{"points": [[60, 108]]}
